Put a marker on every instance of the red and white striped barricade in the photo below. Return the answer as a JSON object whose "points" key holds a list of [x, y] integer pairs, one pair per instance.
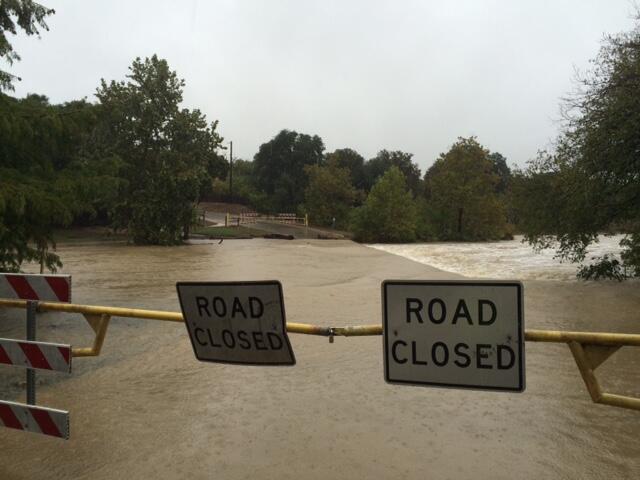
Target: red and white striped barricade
{"points": [[44, 288], [33, 355], [32, 418], [43, 356], [39, 355]]}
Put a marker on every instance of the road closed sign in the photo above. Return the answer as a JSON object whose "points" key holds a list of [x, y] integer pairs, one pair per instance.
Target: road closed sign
{"points": [[459, 334], [236, 322]]}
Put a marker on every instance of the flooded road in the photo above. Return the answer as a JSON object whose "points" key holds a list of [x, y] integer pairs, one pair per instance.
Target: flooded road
{"points": [[147, 409]]}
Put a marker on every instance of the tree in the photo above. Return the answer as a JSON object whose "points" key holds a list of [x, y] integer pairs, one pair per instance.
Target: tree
{"points": [[244, 188], [47, 176], [502, 170], [389, 214], [279, 168], [329, 194], [460, 188], [28, 16], [167, 153], [384, 160], [28, 210], [590, 183], [354, 162]]}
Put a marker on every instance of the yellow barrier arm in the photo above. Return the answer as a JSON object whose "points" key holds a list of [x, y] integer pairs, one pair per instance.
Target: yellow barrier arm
{"points": [[589, 349]]}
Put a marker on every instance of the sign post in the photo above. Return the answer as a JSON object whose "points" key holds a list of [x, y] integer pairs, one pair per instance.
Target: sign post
{"points": [[32, 308], [458, 334], [236, 322]]}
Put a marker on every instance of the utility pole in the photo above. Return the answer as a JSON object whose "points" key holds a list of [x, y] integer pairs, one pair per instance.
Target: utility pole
{"points": [[231, 171]]}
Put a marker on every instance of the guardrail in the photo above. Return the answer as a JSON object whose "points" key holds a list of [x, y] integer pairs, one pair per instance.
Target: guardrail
{"points": [[249, 218], [589, 349]]}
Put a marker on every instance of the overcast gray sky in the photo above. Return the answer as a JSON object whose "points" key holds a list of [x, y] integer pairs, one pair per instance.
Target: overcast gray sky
{"points": [[407, 75]]}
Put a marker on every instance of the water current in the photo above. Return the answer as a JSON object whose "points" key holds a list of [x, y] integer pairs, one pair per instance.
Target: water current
{"points": [[512, 259]]}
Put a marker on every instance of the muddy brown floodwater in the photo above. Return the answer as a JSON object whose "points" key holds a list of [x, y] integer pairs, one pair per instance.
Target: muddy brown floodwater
{"points": [[147, 409]]}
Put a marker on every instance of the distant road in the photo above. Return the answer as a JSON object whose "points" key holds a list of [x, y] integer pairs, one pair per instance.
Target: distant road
{"points": [[269, 227], [216, 217], [296, 231]]}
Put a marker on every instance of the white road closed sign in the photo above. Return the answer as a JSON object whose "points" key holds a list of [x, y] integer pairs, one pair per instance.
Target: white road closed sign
{"points": [[236, 322], [460, 334]]}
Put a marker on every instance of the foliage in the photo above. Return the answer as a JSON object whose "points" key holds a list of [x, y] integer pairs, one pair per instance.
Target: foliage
{"points": [[354, 162], [26, 15], [384, 160], [592, 180], [329, 194], [279, 168], [425, 230], [168, 153], [389, 214], [502, 170], [605, 267], [631, 254], [48, 178], [28, 209], [244, 188], [460, 188]]}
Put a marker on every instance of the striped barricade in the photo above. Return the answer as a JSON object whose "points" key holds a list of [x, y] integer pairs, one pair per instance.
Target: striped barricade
{"points": [[33, 355], [40, 355], [45, 288], [43, 356], [32, 418]]}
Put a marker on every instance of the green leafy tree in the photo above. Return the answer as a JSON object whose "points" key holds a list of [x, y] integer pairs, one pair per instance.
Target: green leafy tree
{"points": [[502, 170], [47, 177], [28, 210], [168, 153], [244, 188], [590, 183], [279, 168], [354, 162], [329, 194], [26, 15], [389, 214], [384, 160], [460, 188]]}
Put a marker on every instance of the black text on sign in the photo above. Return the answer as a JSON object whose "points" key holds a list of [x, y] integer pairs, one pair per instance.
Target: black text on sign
{"points": [[465, 334], [236, 322]]}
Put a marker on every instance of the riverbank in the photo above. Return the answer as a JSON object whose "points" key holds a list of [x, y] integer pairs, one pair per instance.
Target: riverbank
{"points": [[147, 408]]}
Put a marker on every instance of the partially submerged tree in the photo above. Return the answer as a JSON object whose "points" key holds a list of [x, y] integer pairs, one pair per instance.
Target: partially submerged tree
{"points": [[168, 153], [329, 195], [590, 184], [48, 176], [389, 214], [28, 211], [461, 193]]}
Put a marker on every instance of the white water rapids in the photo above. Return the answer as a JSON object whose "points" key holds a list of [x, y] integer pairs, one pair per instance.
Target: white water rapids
{"points": [[511, 259]]}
